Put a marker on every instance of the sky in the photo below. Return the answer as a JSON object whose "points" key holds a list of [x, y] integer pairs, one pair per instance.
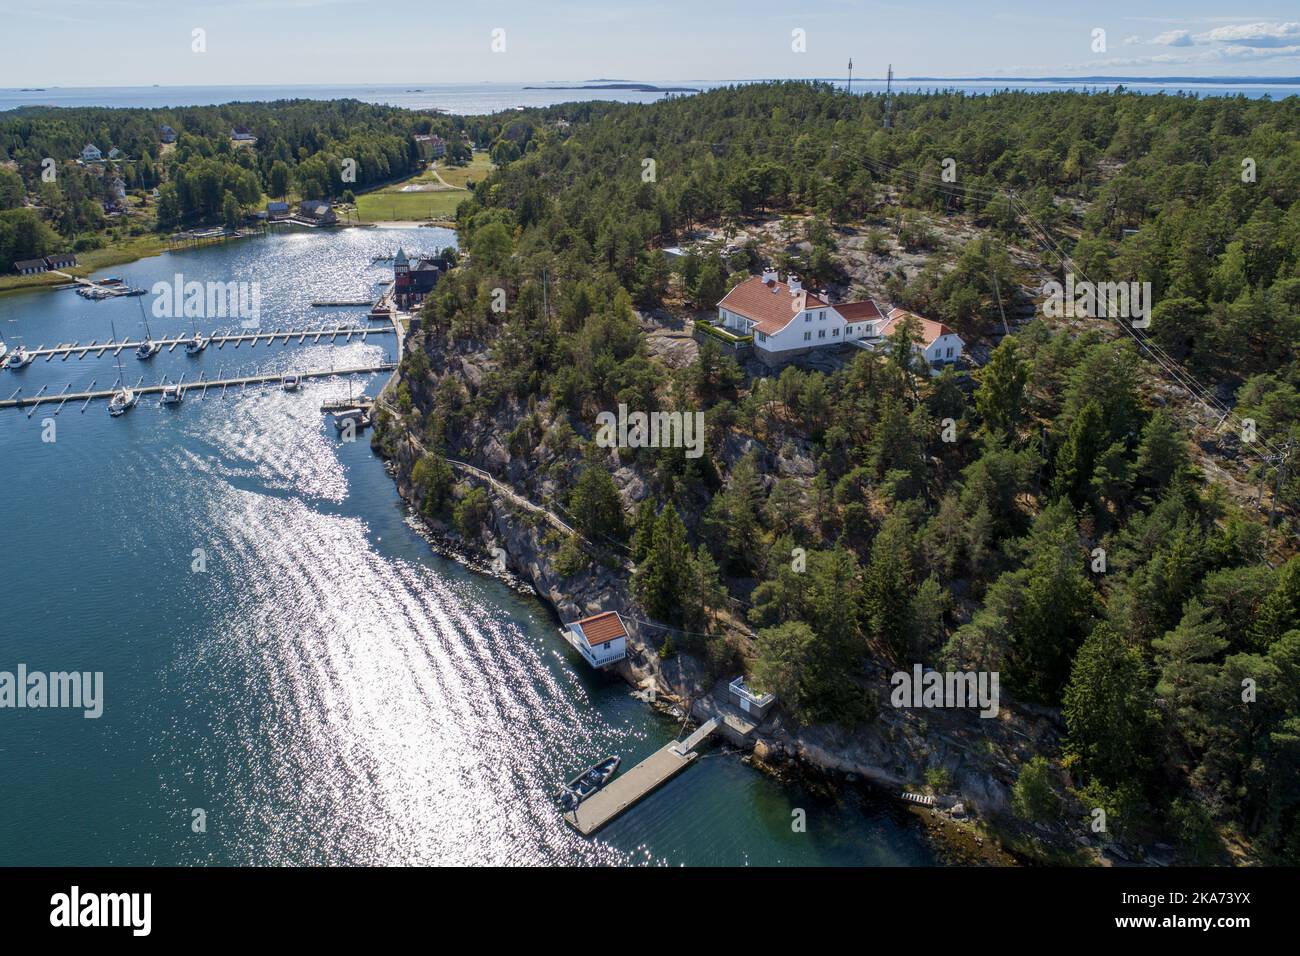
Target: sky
{"points": [[45, 43]]}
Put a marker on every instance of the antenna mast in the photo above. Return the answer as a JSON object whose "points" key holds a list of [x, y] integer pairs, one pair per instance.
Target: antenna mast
{"points": [[889, 96], [850, 75]]}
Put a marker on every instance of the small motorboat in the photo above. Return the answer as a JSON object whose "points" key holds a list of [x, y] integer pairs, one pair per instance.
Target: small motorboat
{"points": [[588, 782], [147, 350], [122, 401], [172, 395], [356, 416], [19, 358], [291, 383]]}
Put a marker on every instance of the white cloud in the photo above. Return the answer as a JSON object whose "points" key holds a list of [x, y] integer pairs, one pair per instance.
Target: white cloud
{"points": [[1174, 38], [1129, 41], [1254, 34]]}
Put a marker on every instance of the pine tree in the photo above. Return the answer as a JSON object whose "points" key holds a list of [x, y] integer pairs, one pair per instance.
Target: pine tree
{"points": [[1107, 711], [1000, 395], [1188, 670], [1281, 609]]}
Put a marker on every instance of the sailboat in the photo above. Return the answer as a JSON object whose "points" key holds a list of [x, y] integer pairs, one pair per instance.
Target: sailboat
{"points": [[4, 350], [148, 348], [196, 343], [19, 358], [123, 398]]}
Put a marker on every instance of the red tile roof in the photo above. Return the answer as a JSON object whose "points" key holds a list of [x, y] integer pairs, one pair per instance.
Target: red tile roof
{"points": [[769, 304], [866, 311], [930, 329], [600, 628]]}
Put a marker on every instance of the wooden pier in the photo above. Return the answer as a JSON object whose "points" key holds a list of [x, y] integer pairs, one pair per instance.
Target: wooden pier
{"points": [[647, 776], [201, 386], [81, 350]]}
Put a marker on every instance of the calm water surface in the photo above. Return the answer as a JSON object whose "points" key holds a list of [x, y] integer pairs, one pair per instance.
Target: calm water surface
{"points": [[328, 690]]}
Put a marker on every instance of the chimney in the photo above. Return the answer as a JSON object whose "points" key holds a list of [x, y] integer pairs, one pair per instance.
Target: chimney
{"points": [[794, 283], [769, 274]]}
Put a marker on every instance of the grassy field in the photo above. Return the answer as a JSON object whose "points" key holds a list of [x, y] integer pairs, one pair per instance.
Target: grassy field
{"points": [[477, 170], [433, 202]]}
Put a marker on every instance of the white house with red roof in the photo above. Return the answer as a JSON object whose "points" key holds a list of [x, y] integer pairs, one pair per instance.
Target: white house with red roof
{"points": [[601, 638], [788, 320]]}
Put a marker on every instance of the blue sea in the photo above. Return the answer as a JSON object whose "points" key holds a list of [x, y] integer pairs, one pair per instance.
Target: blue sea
{"points": [[321, 687], [482, 98]]}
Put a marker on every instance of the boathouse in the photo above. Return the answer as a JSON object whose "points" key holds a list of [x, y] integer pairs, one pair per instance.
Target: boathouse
{"points": [[61, 260], [601, 638], [26, 267]]}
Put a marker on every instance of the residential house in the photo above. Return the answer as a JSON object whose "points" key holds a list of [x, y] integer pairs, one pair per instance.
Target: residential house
{"points": [[117, 190], [787, 320], [413, 279], [318, 211], [116, 154], [26, 267], [166, 134], [90, 154], [277, 210], [601, 639], [242, 134], [431, 146]]}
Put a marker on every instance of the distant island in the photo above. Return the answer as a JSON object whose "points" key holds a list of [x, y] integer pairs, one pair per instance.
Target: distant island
{"points": [[638, 87]]}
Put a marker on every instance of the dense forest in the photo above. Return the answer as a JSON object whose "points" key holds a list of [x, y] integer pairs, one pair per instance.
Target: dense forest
{"points": [[205, 177], [1069, 538]]}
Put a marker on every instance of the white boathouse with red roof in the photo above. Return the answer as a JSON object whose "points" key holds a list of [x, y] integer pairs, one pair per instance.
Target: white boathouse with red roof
{"points": [[601, 638]]}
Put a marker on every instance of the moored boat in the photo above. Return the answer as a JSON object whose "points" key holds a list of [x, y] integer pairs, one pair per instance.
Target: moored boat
{"points": [[291, 383], [588, 782], [172, 395], [122, 401], [19, 358]]}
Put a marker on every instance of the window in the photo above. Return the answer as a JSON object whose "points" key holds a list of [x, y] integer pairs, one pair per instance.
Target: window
{"points": [[807, 317], [950, 352], [605, 646], [835, 333], [821, 333], [807, 336], [762, 336], [821, 316]]}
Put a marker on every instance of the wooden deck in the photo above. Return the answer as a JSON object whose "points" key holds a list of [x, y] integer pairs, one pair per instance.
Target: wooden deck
{"points": [[647, 776]]}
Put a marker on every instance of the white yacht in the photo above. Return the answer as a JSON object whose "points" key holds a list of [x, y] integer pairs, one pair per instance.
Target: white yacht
{"points": [[19, 358], [172, 395], [291, 383], [4, 350], [122, 401]]}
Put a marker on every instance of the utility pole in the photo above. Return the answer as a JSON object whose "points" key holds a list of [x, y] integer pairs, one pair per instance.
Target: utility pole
{"points": [[850, 76], [1283, 461]]}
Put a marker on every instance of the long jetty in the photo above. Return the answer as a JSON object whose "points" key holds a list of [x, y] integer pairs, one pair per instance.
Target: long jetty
{"points": [[81, 350], [200, 385], [647, 776]]}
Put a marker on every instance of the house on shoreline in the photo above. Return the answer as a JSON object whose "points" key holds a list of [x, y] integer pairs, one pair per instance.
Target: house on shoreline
{"points": [[601, 639], [786, 321]]}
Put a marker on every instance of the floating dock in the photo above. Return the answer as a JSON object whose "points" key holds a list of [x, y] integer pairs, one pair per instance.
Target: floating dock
{"points": [[220, 341], [646, 777], [201, 386]]}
